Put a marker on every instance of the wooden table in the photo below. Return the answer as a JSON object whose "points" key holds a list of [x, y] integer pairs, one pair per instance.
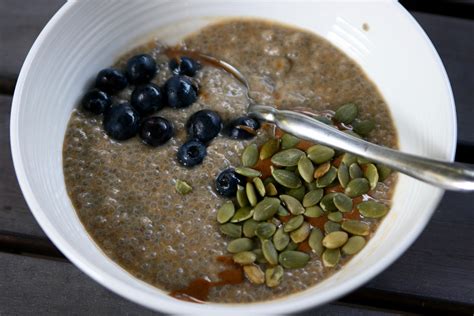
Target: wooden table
{"points": [[435, 275]]}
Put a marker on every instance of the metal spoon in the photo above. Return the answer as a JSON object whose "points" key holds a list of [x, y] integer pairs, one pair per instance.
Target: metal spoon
{"points": [[446, 175]]}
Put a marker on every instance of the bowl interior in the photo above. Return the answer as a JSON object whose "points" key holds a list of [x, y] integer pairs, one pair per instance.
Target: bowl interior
{"points": [[88, 35]]}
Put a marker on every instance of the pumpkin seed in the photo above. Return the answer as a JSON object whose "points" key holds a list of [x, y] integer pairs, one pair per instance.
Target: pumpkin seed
{"points": [[280, 239], [254, 274], [355, 171], [250, 155], [269, 148], [313, 197], [330, 227], [372, 209], [313, 211], [327, 179], [282, 211], [293, 224], [342, 202], [372, 175], [239, 245], [315, 241], [335, 217], [384, 172], [287, 157], [290, 259], [269, 252], [251, 194], [269, 180], [335, 239], [363, 127], [241, 196], [244, 257], [301, 233], [353, 245], [266, 208], [306, 168], [286, 178], [343, 175], [310, 186], [293, 205], [357, 187], [182, 187], [322, 170], [291, 246], [320, 154], [356, 227], [249, 228], [225, 212], [297, 193], [231, 230], [260, 258], [289, 141], [274, 276], [242, 214], [331, 257], [270, 189], [362, 160], [348, 159], [248, 172], [324, 119], [346, 113], [265, 230], [327, 202], [259, 186]]}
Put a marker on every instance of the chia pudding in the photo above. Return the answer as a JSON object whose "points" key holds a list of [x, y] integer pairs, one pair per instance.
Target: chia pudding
{"points": [[124, 191]]}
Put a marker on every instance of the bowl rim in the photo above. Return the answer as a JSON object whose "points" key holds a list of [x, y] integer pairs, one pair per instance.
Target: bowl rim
{"points": [[129, 292]]}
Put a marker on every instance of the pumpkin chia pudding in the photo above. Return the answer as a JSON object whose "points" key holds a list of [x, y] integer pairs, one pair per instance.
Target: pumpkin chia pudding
{"points": [[213, 205]]}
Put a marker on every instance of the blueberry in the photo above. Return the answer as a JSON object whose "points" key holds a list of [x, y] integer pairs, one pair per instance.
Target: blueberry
{"points": [[121, 121], [156, 131], [147, 99], [180, 92], [234, 128], [204, 125], [191, 153], [141, 69], [227, 181], [188, 66], [96, 101], [111, 80]]}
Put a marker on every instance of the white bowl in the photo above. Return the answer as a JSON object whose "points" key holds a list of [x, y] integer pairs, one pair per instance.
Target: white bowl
{"points": [[85, 36]]}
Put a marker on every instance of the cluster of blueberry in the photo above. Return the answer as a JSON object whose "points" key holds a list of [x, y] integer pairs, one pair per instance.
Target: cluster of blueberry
{"points": [[125, 120]]}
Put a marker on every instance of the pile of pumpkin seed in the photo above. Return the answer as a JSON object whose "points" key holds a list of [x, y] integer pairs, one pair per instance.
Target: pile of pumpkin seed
{"points": [[295, 191]]}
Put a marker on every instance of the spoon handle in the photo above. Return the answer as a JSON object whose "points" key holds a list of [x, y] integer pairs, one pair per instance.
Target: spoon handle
{"points": [[450, 176]]}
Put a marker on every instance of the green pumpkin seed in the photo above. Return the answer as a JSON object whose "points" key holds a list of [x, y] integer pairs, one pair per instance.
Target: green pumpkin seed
{"points": [[348, 159], [282, 211], [231, 230], [301, 233], [343, 175], [313, 197], [251, 194], [315, 241], [270, 189], [335, 217], [254, 274], [241, 196], [346, 113], [331, 257], [384, 172], [356, 227], [293, 205], [266, 208], [322, 170], [335, 239], [320, 154], [244, 257], [362, 160], [313, 211], [225, 212], [248, 172], [250, 155], [269, 148], [265, 230], [269, 252], [342, 202], [260, 258], [372, 209], [291, 246], [287, 157], [353, 245], [330, 227], [259, 186], [357, 187], [372, 175], [327, 202], [280, 239], [310, 186], [274, 276], [297, 193], [249, 228], [363, 127], [327, 179], [293, 259], [289, 141], [324, 119], [269, 180], [182, 187], [286, 178], [306, 168], [242, 214], [293, 224], [239, 245], [355, 171]]}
